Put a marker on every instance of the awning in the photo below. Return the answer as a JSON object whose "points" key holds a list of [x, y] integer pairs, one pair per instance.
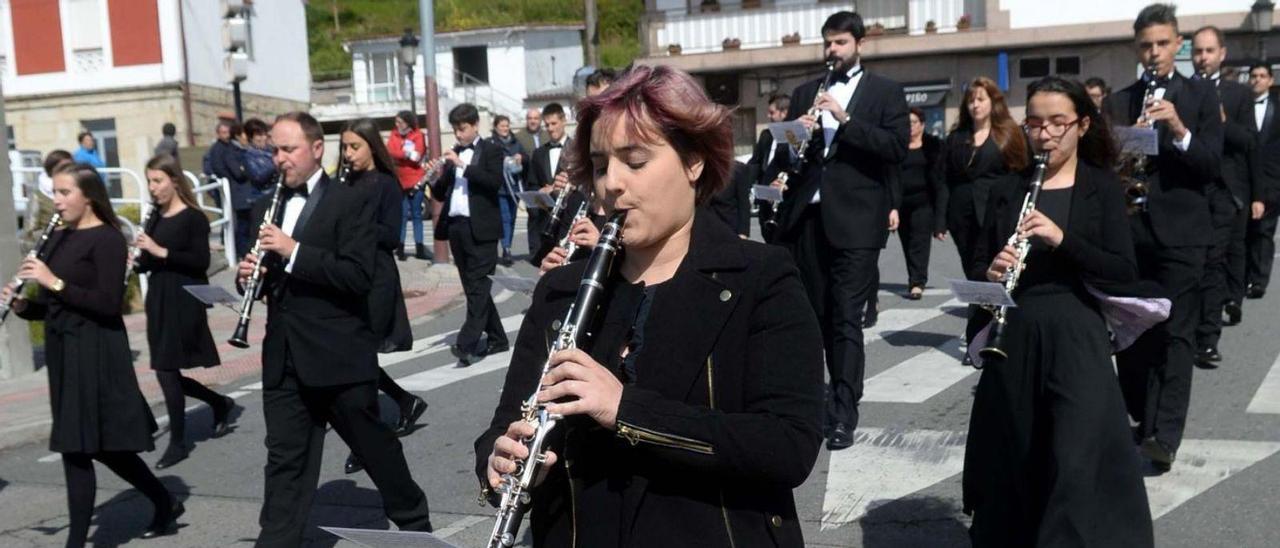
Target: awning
{"points": [[926, 94]]}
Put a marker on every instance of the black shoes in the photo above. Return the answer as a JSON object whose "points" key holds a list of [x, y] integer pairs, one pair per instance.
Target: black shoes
{"points": [[1234, 313], [409, 415], [506, 259], [174, 454], [353, 465], [841, 437], [420, 252], [1255, 292], [222, 417], [465, 357], [1208, 358], [166, 523], [496, 347], [1161, 457]]}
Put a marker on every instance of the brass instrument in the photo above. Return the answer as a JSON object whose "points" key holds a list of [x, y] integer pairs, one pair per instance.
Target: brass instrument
{"points": [[148, 223], [240, 337], [573, 331], [803, 147], [994, 349], [1133, 167], [35, 252]]}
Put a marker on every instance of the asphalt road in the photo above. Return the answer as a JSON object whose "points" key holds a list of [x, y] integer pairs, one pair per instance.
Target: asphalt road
{"points": [[898, 486]]}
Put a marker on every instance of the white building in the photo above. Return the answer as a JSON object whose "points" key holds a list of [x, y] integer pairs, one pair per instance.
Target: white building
{"points": [[745, 50], [500, 70], [122, 68]]}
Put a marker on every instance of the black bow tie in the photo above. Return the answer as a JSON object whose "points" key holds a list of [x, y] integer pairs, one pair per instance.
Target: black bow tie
{"points": [[1261, 101], [555, 145], [845, 77], [301, 191], [457, 149]]}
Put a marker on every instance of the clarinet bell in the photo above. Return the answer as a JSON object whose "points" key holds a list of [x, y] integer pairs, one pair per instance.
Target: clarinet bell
{"points": [[240, 338], [994, 349]]}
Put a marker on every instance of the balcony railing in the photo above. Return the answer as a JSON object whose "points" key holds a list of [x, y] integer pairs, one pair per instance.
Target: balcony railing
{"points": [[734, 26]]}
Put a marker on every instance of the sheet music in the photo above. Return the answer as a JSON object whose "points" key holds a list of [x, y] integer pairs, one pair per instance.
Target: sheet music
{"points": [[536, 200], [988, 293], [767, 193], [211, 294], [793, 133], [380, 538]]}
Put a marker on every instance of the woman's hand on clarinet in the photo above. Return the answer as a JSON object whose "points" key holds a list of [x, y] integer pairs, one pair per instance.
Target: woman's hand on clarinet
{"points": [[35, 270], [584, 233], [508, 448], [274, 239], [555, 258], [592, 389], [1041, 226], [149, 245], [1001, 264]]}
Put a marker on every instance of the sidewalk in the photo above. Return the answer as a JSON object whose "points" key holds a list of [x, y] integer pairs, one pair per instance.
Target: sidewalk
{"points": [[24, 401]]}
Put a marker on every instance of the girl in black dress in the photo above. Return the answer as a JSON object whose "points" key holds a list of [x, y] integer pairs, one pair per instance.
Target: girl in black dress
{"points": [[920, 212], [98, 411], [371, 168], [175, 254], [1050, 458]]}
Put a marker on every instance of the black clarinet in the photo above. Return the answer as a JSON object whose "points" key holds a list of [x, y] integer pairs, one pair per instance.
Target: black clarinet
{"points": [[240, 338], [36, 252]]}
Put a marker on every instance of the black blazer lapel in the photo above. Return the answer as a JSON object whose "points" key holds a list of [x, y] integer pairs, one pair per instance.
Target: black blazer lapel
{"points": [[1268, 119], [313, 200]]}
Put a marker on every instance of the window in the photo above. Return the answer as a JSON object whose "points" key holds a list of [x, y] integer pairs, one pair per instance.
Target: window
{"points": [[471, 64], [1033, 67], [1067, 66], [383, 77]]}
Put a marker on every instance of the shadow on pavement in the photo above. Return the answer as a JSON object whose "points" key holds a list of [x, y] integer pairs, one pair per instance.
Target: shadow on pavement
{"points": [[915, 521]]}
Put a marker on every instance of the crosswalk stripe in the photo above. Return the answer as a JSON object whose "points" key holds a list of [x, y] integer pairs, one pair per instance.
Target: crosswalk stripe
{"points": [[1202, 464], [885, 465], [1267, 397], [440, 377], [920, 377], [898, 319]]}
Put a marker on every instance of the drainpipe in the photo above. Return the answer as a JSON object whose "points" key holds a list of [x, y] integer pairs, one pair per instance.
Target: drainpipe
{"points": [[186, 80]]}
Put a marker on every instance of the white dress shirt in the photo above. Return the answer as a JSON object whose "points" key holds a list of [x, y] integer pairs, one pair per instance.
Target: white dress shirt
{"points": [[1260, 110], [842, 92], [460, 198], [553, 154], [293, 210]]}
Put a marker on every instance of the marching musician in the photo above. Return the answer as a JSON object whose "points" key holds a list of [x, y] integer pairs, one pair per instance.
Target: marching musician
{"points": [[1049, 456], [705, 357], [1172, 230], [768, 159], [175, 254], [1266, 211], [319, 357], [370, 169], [547, 174], [1222, 286], [833, 217], [468, 186], [98, 411]]}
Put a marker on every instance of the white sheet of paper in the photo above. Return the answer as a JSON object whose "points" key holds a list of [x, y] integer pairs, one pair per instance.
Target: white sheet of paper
{"points": [[792, 133], [211, 294], [768, 193], [380, 538], [1138, 140], [536, 200], [988, 293]]}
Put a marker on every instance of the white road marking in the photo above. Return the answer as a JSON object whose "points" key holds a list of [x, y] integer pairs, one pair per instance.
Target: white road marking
{"points": [[1202, 464], [919, 378], [459, 526], [899, 319], [440, 377], [1267, 398]]}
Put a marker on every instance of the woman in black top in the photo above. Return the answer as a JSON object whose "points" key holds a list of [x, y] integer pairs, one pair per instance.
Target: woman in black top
{"points": [[175, 254], [98, 411], [372, 170], [920, 209], [694, 410], [1050, 458]]}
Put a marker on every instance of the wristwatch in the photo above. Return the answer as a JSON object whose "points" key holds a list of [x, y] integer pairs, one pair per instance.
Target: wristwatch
{"points": [[58, 285]]}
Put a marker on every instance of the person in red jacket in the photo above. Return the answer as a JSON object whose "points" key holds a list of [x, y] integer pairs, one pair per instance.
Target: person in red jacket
{"points": [[408, 148]]}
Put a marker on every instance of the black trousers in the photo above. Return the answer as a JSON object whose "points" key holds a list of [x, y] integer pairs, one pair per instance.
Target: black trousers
{"points": [[1237, 256], [538, 219], [296, 416], [838, 282], [765, 212], [243, 231], [476, 262], [1155, 372], [915, 228], [1262, 249], [1215, 284]]}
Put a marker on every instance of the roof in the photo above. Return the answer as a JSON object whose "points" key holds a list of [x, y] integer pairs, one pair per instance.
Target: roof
{"points": [[472, 32]]}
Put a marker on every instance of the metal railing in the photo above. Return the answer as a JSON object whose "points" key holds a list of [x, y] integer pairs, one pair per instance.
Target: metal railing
{"points": [[482, 94], [225, 221]]}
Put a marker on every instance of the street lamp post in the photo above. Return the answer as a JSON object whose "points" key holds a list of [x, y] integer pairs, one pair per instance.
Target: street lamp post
{"points": [[408, 56], [1262, 17]]}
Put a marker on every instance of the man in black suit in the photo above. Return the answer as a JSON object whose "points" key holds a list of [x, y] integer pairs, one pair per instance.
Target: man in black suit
{"points": [[469, 188], [319, 357], [768, 159], [833, 216], [547, 175], [1266, 210], [1172, 231], [1222, 286]]}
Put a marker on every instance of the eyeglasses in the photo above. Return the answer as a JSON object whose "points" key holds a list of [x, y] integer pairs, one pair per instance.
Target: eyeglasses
{"points": [[1054, 129]]}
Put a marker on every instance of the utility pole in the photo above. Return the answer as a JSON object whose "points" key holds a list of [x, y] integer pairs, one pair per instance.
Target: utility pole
{"points": [[431, 106], [15, 342], [592, 39]]}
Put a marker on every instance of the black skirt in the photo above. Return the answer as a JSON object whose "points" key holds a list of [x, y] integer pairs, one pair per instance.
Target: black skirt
{"points": [[1050, 460], [387, 312], [177, 323]]}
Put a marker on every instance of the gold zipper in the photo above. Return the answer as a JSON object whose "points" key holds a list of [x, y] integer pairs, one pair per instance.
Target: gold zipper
{"points": [[711, 402], [635, 435]]}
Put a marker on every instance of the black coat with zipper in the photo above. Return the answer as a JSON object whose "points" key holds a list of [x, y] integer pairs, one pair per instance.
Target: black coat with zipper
{"points": [[723, 422]]}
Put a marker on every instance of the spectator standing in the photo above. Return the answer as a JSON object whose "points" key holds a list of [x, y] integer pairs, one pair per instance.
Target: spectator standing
{"points": [[407, 146]]}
